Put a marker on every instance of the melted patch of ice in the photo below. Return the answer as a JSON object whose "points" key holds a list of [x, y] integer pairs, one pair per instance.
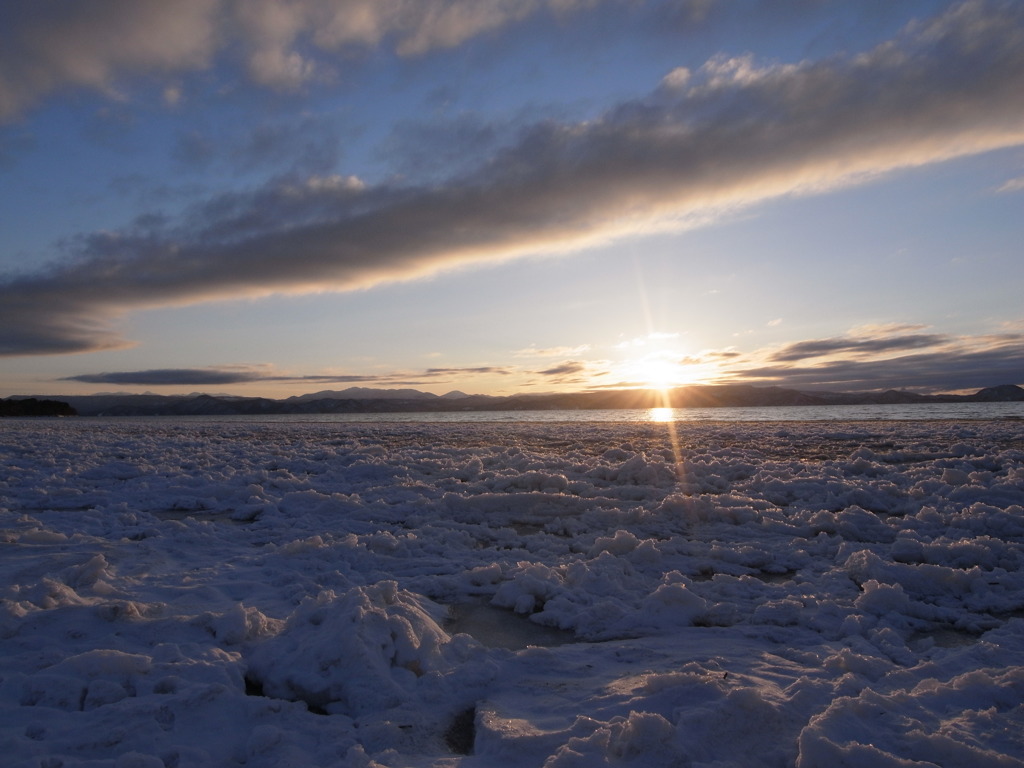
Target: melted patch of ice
{"points": [[501, 628]]}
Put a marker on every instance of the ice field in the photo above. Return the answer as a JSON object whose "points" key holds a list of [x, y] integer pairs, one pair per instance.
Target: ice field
{"points": [[592, 594]]}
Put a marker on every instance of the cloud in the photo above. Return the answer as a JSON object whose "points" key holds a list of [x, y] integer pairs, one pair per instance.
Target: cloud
{"points": [[486, 369], [1013, 185], [733, 134], [47, 45], [575, 374], [165, 377], [173, 95], [931, 362], [425, 25], [945, 364], [169, 376], [552, 351], [711, 356], [568, 368], [854, 347]]}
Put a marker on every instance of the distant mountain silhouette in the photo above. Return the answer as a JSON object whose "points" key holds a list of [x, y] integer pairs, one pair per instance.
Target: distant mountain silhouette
{"points": [[455, 395], [367, 400], [1004, 393], [367, 393]]}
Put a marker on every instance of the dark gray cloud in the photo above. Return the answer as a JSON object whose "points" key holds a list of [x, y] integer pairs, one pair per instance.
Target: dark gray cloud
{"points": [[164, 377], [853, 348], [729, 134], [168, 376], [948, 364], [568, 368]]}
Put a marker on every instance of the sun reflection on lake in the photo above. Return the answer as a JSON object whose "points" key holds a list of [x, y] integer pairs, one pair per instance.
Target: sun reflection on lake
{"points": [[661, 415]]}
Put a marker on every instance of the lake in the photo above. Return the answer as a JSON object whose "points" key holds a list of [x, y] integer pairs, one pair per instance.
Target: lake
{"points": [[906, 412]]}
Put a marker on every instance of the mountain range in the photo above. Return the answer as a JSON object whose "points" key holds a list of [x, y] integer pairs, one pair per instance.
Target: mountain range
{"points": [[368, 400]]}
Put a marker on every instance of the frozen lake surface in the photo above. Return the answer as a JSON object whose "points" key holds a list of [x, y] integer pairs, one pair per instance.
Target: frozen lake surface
{"points": [[807, 593]]}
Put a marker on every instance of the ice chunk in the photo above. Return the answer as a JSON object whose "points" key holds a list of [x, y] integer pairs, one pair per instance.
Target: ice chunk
{"points": [[358, 652]]}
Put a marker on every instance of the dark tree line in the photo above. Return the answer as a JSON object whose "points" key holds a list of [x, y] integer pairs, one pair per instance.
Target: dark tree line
{"points": [[32, 406]]}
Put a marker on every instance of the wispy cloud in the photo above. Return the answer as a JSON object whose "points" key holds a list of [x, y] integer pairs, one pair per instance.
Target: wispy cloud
{"points": [[479, 370], [1013, 185], [552, 351], [733, 133], [711, 357]]}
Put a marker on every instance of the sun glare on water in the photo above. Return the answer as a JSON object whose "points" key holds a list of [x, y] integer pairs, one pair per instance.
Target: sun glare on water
{"points": [[661, 372], [662, 415]]}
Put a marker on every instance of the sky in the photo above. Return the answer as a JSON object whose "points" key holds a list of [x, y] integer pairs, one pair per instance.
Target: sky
{"points": [[495, 196]]}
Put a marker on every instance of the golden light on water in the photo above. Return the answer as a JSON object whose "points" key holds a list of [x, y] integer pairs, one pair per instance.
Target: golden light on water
{"points": [[661, 367], [662, 415]]}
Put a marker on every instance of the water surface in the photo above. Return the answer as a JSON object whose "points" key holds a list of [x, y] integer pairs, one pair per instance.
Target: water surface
{"points": [[906, 412]]}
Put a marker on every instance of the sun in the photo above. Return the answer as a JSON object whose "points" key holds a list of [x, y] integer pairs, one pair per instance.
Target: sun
{"points": [[655, 372], [659, 371]]}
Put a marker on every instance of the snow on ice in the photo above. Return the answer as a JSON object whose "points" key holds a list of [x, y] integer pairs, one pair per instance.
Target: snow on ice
{"points": [[577, 594]]}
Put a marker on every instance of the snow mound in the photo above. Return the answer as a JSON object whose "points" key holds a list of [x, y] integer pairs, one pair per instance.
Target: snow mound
{"points": [[971, 720], [355, 653]]}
